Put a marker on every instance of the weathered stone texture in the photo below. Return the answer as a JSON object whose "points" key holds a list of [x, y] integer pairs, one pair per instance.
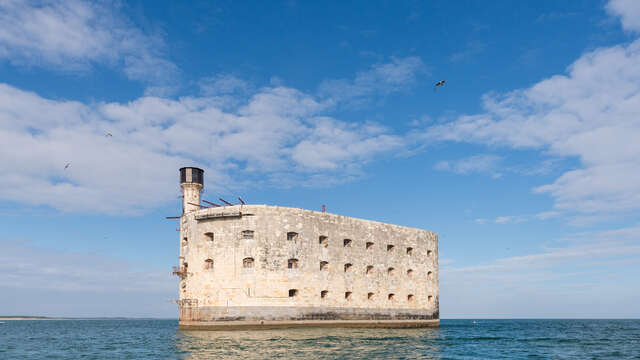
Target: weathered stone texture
{"points": [[231, 292]]}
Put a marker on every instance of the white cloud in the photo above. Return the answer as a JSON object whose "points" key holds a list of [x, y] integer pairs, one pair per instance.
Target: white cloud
{"points": [[592, 114], [72, 35], [223, 84], [477, 164], [628, 11], [277, 135]]}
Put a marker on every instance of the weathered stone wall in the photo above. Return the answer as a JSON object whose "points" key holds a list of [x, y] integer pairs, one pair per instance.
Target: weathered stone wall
{"points": [[229, 291]]}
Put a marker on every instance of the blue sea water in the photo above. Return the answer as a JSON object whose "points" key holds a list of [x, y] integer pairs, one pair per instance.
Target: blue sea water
{"points": [[454, 339]]}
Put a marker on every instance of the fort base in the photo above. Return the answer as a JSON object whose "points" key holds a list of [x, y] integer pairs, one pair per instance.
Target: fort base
{"points": [[282, 324]]}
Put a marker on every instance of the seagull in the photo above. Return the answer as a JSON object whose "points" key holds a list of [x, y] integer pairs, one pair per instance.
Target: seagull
{"points": [[108, 134], [66, 166], [439, 83]]}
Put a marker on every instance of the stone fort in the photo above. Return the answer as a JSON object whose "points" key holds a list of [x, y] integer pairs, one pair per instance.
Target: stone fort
{"points": [[259, 266]]}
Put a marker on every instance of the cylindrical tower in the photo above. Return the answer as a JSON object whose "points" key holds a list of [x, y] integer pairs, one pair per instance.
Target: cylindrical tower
{"points": [[191, 182]]}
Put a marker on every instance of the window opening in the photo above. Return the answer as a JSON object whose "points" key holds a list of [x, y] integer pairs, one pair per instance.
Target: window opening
{"points": [[347, 243], [292, 263], [324, 266], [293, 292], [208, 264], [247, 263], [247, 234], [324, 241], [292, 236]]}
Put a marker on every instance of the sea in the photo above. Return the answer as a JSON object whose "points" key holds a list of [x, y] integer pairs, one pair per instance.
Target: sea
{"points": [[454, 339]]}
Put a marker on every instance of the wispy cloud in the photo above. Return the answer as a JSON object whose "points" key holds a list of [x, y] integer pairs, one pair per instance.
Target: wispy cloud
{"points": [[555, 282], [590, 114], [112, 286], [477, 164], [381, 78], [74, 35]]}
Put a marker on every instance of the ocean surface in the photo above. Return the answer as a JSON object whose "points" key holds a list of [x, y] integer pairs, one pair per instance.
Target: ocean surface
{"points": [[454, 339]]}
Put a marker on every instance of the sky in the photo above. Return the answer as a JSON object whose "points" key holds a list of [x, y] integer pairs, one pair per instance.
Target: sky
{"points": [[525, 162]]}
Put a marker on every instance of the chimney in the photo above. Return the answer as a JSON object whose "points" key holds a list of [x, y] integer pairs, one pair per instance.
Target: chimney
{"points": [[191, 182]]}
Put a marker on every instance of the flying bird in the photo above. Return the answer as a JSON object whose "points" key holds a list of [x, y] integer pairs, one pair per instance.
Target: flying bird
{"points": [[66, 166], [108, 134], [439, 83]]}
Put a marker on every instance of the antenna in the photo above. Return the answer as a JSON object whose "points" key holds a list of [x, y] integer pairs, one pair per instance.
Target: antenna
{"points": [[241, 201], [210, 203], [225, 201]]}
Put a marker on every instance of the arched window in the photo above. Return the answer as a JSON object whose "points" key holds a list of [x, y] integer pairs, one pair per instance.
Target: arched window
{"points": [[430, 298], [429, 275], [292, 263], [390, 247], [324, 266], [347, 267], [208, 237], [369, 269], [369, 245], [208, 264], [347, 295], [409, 251], [370, 296], [391, 296], [323, 241], [293, 292], [391, 271], [247, 234], [247, 263], [410, 297], [292, 236], [347, 242], [324, 294], [410, 272], [429, 253]]}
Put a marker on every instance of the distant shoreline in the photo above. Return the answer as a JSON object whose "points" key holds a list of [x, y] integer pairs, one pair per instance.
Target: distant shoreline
{"points": [[8, 318]]}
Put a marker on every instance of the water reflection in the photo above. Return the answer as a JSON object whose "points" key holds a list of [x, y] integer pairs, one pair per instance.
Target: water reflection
{"points": [[311, 343]]}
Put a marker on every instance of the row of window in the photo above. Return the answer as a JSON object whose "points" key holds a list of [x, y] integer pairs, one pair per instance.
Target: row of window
{"points": [[322, 240], [348, 295], [249, 262]]}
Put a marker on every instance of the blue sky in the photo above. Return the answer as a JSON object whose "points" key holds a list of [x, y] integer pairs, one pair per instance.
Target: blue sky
{"points": [[525, 162]]}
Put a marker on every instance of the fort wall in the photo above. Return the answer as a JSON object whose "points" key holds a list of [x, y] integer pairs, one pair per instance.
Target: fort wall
{"points": [[258, 264]]}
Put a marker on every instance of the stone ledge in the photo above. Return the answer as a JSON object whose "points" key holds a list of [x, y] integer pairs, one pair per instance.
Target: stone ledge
{"points": [[281, 324]]}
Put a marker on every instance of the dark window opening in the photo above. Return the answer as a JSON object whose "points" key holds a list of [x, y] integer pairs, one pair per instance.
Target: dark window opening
{"points": [[292, 263], [369, 269], [347, 295], [247, 234], [369, 245], [410, 272], [324, 266], [409, 251], [429, 252], [292, 236], [430, 275], [347, 243], [410, 297], [293, 292], [208, 264], [391, 296], [324, 294], [390, 247], [324, 241], [347, 267], [247, 263], [391, 271], [370, 296]]}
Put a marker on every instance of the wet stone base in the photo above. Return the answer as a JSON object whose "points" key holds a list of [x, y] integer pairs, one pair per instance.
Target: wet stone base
{"points": [[280, 324], [281, 316]]}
